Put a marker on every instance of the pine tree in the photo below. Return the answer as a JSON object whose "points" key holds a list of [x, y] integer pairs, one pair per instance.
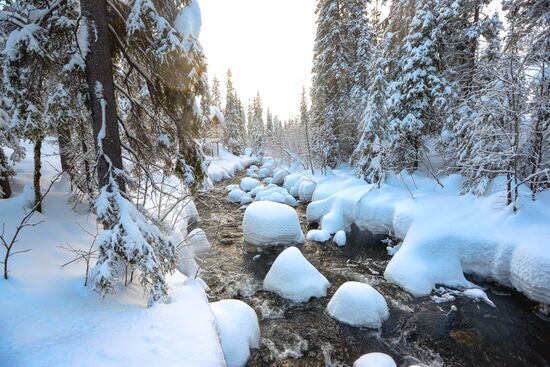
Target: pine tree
{"points": [[216, 95], [233, 127], [258, 129], [305, 127]]}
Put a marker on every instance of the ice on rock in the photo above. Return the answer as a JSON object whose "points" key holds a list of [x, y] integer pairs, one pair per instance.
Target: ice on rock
{"points": [[292, 277], [238, 329], [248, 183], [478, 294], [267, 224], [235, 196], [340, 238], [375, 360], [358, 304], [318, 235]]}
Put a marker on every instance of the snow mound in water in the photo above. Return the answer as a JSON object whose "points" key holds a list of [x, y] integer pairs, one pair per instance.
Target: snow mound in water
{"points": [[375, 360], [340, 238], [235, 196], [267, 223], [292, 277], [358, 304], [318, 235], [276, 194], [248, 183], [238, 329]]}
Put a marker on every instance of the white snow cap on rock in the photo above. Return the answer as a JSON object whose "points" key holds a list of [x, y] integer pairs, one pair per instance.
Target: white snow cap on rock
{"points": [[235, 196], [318, 235], [358, 304], [375, 360], [238, 329], [267, 224], [248, 183], [292, 277]]}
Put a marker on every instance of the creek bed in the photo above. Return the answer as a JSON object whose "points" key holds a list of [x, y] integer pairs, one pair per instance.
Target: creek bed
{"points": [[419, 331]]}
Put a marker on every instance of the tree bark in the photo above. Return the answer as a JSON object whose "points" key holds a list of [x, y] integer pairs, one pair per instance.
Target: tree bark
{"points": [[99, 76], [5, 188], [37, 173]]}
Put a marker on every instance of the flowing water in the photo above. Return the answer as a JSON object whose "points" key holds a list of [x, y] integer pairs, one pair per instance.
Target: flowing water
{"points": [[420, 331]]}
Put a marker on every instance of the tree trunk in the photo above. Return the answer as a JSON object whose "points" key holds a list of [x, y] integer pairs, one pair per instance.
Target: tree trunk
{"points": [[99, 76], [37, 173], [5, 188]]}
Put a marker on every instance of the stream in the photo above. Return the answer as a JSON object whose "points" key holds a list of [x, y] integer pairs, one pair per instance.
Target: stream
{"points": [[420, 331]]}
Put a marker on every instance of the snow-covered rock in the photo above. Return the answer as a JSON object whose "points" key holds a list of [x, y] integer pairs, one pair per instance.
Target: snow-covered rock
{"points": [[375, 360], [255, 191], [246, 199], [292, 277], [235, 196], [267, 224], [276, 194], [197, 241], [238, 329], [340, 238], [358, 304], [232, 187], [248, 183], [318, 235], [279, 176]]}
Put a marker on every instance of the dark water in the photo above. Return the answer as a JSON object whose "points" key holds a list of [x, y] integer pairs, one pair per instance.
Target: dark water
{"points": [[419, 331]]}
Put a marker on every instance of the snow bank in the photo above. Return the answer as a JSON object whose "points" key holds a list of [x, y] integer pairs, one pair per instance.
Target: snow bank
{"points": [[375, 360], [445, 234], [269, 224], [248, 183], [48, 318], [238, 329], [358, 304], [292, 277]]}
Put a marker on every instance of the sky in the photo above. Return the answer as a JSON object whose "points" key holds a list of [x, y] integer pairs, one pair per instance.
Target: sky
{"points": [[267, 44]]}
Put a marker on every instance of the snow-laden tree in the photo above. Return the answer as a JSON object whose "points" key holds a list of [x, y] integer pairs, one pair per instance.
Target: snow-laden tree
{"points": [[216, 94], [418, 91], [305, 128], [257, 134], [134, 64], [330, 89], [234, 125]]}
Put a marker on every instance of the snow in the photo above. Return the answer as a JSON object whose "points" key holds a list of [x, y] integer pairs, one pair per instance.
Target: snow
{"points": [[292, 277], [48, 318], [276, 194], [189, 21], [358, 304], [279, 175], [226, 165], [478, 294], [375, 360], [235, 196], [445, 234], [255, 191], [238, 329], [340, 238], [267, 223], [318, 235], [249, 183]]}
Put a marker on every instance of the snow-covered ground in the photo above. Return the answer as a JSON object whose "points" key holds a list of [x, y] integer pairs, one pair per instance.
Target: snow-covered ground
{"points": [[445, 233], [48, 317]]}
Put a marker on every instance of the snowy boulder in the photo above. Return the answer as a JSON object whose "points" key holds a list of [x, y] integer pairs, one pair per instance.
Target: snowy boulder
{"points": [[235, 196], [292, 277], [279, 176], [375, 360], [270, 224], [306, 189], [232, 187], [289, 200], [246, 199], [251, 173], [318, 235], [255, 191], [358, 304], [340, 238], [276, 194], [248, 183], [238, 329]]}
